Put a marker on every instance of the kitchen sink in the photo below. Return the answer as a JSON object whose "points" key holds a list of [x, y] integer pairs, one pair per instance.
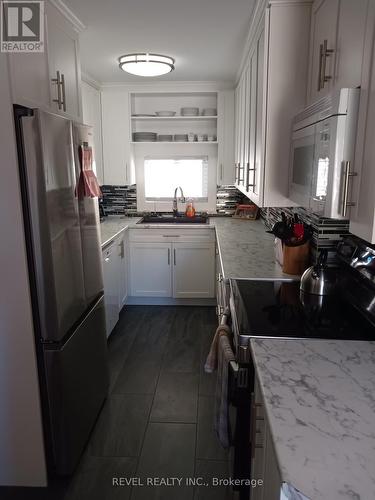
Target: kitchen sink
{"points": [[170, 219]]}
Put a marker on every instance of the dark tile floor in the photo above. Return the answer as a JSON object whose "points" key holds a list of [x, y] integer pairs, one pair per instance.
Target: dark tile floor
{"points": [[157, 421]]}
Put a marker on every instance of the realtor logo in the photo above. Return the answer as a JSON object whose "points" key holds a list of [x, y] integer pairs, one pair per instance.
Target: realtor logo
{"points": [[22, 26]]}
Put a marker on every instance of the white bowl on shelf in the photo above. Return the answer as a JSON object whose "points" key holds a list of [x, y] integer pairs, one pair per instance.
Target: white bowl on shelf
{"points": [[165, 113]]}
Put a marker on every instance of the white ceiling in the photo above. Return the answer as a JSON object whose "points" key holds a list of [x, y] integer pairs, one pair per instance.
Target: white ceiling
{"points": [[206, 37]]}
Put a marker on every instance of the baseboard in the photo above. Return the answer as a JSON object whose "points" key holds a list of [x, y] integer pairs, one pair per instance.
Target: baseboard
{"points": [[167, 301]]}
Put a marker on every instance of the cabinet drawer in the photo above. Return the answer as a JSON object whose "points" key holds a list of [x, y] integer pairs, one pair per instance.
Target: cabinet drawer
{"points": [[171, 235]]}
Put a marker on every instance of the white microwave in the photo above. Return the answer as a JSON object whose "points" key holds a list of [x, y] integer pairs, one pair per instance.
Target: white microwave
{"points": [[323, 144]]}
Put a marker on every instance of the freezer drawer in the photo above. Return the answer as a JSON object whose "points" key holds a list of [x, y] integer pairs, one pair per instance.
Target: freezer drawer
{"points": [[77, 385]]}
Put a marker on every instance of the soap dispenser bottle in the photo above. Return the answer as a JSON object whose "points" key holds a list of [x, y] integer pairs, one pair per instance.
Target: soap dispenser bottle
{"points": [[190, 209]]}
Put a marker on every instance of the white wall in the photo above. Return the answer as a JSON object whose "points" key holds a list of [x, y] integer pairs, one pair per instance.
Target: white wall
{"points": [[22, 461]]}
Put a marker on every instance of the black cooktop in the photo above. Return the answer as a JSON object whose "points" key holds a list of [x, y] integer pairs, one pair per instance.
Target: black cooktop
{"points": [[278, 309]]}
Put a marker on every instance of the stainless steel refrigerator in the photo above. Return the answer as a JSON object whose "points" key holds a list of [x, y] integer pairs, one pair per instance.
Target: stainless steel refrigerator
{"points": [[66, 282]]}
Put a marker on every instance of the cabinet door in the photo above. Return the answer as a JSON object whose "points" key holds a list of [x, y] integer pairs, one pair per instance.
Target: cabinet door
{"points": [[111, 290], [272, 477], [63, 53], [225, 172], [30, 79], [252, 120], [362, 214], [92, 115], [323, 28], [256, 191], [116, 137], [122, 272], [350, 43], [150, 270], [237, 134], [193, 270], [242, 111], [246, 153]]}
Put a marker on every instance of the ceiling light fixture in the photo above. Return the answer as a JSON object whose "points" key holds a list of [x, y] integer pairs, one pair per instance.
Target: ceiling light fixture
{"points": [[146, 64]]}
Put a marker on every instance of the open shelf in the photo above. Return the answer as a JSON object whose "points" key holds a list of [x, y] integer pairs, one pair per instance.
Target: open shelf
{"points": [[179, 117], [175, 142]]}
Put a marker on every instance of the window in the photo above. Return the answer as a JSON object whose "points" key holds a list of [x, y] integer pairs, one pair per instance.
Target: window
{"points": [[163, 175]]}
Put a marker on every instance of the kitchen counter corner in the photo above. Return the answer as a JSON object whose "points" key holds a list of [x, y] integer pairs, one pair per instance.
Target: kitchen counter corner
{"points": [[320, 403], [246, 250]]}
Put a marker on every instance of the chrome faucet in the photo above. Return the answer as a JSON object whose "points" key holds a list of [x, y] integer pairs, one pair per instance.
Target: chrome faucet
{"points": [[182, 200]]}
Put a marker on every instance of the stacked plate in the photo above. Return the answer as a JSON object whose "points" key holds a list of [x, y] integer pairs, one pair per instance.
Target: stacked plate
{"points": [[209, 112], [144, 136], [181, 137], [189, 111], [165, 138]]}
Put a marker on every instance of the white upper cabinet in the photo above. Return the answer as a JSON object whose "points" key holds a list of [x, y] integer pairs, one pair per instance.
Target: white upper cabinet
{"points": [[64, 67], [225, 137], [117, 162], [29, 76], [362, 214], [271, 90], [92, 115], [52, 79], [336, 45]]}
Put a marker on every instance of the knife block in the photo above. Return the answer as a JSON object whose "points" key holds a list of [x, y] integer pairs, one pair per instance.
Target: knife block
{"points": [[296, 259]]}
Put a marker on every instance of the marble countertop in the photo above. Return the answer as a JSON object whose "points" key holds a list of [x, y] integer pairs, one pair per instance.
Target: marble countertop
{"points": [[320, 404], [246, 250], [112, 226]]}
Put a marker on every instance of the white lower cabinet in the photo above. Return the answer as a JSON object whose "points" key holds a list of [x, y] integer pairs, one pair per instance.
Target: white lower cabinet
{"points": [[111, 286], [115, 277], [264, 464], [193, 270], [150, 269], [174, 265], [122, 272]]}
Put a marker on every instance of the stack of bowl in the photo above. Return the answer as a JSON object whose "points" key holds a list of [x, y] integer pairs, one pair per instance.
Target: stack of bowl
{"points": [[144, 137], [189, 111]]}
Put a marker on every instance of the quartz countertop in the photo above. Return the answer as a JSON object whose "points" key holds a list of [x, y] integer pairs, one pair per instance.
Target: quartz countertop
{"points": [[112, 226], [320, 404], [246, 250]]}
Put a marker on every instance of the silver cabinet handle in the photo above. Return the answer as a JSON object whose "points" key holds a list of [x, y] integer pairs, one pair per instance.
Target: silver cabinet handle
{"points": [[169, 256], [63, 91], [126, 172], [122, 249], [324, 52], [171, 235], [345, 191], [174, 256], [57, 80], [221, 172]]}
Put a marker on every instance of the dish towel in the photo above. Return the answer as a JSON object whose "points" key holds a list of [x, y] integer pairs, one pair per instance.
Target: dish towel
{"points": [[211, 361], [87, 185], [222, 422]]}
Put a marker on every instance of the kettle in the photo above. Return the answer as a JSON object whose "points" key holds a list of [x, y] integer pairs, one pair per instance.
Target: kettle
{"points": [[319, 279]]}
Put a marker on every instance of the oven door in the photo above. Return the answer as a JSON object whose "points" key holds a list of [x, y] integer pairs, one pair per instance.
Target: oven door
{"points": [[302, 164]]}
